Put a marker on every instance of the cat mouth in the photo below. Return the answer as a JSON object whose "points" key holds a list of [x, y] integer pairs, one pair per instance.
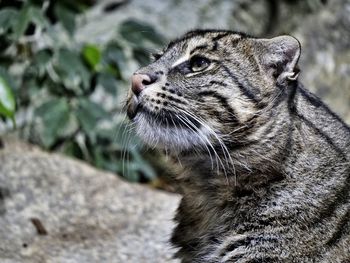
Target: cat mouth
{"points": [[133, 107], [163, 117], [164, 128]]}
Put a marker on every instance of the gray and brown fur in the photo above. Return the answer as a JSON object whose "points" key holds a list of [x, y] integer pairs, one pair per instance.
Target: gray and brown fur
{"points": [[266, 164]]}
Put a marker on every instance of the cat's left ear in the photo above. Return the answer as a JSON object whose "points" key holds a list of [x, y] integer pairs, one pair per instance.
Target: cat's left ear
{"points": [[279, 57]]}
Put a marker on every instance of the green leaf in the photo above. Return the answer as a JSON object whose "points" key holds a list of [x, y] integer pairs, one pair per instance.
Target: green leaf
{"points": [[72, 148], [66, 17], [112, 165], [124, 137], [72, 71], [42, 57], [114, 55], [142, 165], [7, 100], [70, 127], [23, 21], [132, 173], [128, 169], [54, 117], [92, 55], [142, 56], [38, 18], [8, 18], [27, 15], [138, 33], [41, 61], [88, 114], [98, 157], [108, 82]]}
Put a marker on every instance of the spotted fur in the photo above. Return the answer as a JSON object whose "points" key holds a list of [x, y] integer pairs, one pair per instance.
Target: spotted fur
{"points": [[266, 164]]}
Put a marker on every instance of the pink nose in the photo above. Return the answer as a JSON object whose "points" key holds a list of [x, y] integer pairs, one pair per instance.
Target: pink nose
{"points": [[140, 81]]}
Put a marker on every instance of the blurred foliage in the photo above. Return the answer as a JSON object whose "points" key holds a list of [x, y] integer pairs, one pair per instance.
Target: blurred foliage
{"points": [[7, 100], [56, 81]]}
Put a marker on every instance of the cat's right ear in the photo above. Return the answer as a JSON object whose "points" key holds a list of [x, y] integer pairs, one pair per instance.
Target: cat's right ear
{"points": [[279, 57]]}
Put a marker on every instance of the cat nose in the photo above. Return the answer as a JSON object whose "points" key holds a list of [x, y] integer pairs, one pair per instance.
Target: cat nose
{"points": [[140, 81]]}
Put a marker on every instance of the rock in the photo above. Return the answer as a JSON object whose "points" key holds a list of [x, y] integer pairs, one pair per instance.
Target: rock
{"points": [[325, 60], [54, 209], [171, 18]]}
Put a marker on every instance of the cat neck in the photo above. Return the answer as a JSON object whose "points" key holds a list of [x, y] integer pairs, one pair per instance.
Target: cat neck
{"points": [[275, 157]]}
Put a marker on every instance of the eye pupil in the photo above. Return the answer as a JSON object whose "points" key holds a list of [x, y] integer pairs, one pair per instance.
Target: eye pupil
{"points": [[199, 63]]}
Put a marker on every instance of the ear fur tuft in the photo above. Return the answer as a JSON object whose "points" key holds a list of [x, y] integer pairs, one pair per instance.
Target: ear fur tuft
{"points": [[279, 56]]}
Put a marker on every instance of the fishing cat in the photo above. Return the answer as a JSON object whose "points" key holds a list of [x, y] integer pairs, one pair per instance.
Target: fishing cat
{"points": [[266, 164]]}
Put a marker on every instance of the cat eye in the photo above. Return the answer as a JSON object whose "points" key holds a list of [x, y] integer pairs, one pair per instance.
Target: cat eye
{"points": [[199, 63]]}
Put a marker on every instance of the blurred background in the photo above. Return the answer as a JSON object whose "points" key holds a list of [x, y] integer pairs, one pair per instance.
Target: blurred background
{"points": [[65, 66]]}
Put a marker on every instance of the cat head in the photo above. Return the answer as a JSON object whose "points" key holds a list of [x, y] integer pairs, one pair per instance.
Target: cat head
{"points": [[210, 87]]}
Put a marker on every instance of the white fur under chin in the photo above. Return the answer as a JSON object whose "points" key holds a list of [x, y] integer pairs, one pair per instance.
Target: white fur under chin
{"points": [[170, 138]]}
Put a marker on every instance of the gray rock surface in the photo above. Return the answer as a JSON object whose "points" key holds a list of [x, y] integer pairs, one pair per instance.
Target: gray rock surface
{"points": [[325, 61], [170, 17], [54, 209]]}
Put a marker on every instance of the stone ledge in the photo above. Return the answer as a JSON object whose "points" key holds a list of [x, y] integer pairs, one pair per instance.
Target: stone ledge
{"points": [[55, 209]]}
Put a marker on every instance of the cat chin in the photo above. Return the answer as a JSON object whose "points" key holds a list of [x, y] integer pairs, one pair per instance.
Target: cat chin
{"points": [[168, 138]]}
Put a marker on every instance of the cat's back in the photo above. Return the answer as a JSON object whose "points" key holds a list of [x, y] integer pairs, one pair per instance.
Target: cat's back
{"points": [[325, 127]]}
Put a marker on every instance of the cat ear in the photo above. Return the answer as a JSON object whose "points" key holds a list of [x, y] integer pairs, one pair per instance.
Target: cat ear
{"points": [[279, 57]]}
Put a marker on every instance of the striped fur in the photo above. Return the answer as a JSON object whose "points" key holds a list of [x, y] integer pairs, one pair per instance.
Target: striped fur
{"points": [[266, 164]]}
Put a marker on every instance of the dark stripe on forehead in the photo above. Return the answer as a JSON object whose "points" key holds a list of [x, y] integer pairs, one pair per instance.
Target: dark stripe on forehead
{"points": [[215, 46], [204, 46], [245, 91], [232, 43], [203, 32], [218, 37]]}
